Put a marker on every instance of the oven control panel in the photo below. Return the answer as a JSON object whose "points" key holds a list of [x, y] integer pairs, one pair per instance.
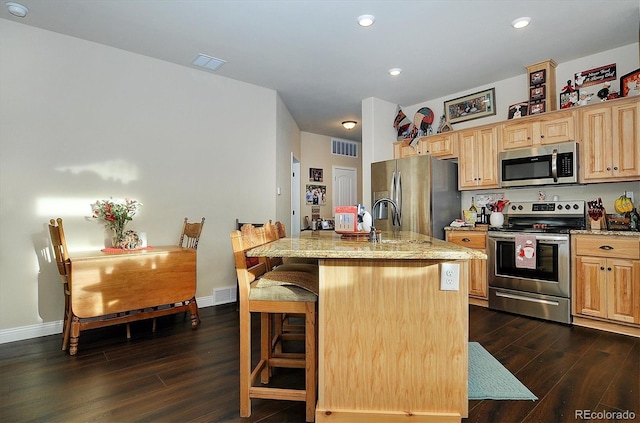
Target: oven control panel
{"points": [[555, 208]]}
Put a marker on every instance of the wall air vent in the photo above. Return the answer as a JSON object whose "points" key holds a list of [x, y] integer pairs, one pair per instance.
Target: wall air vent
{"points": [[344, 148], [208, 62]]}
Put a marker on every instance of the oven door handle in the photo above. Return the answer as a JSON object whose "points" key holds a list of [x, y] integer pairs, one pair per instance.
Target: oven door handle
{"points": [[554, 165], [523, 298]]}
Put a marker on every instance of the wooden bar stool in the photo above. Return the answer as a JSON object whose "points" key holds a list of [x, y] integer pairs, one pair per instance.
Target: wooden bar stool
{"points": [[274, 293]]}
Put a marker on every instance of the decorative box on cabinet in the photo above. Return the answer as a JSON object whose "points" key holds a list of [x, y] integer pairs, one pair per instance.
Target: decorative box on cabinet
{"points": [[548, 128], [476, 239], [478, 158], [542, 75], [610, 147], [606, 282]]}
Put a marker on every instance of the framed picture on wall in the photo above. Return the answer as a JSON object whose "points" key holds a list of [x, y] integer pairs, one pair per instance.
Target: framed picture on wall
{"points": [[630, 84], [315, 175], [471, 106], [316, 195]]}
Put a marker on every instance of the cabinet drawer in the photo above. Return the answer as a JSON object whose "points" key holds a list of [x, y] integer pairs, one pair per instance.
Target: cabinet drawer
{"points": [[469, 239], [608, 246]]}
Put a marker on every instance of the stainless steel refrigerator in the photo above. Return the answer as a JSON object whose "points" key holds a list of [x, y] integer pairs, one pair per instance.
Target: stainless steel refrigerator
{"points": [[425, 190]]}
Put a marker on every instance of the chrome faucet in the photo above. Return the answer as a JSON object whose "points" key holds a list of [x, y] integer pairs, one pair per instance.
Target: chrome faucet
{"points": [[395, 215]]}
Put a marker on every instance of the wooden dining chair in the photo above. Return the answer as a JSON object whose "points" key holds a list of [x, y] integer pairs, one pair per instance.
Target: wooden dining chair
{"points": [[274, 293], [189, 238], [190, 234], [60, 252]]}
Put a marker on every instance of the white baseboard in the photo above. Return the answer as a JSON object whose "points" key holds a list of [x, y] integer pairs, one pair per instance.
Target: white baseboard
{"points": [[52, 328]]}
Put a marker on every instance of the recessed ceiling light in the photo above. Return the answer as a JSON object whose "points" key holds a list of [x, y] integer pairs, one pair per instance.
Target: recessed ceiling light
{"points": [[349, 124], [521, 22], [16, 9], [366, 20], [395, 71]]}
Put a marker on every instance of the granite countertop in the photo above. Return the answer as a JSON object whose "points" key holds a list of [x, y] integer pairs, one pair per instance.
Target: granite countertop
{"points": [[478, 227], [394, 245], [603, 232]]}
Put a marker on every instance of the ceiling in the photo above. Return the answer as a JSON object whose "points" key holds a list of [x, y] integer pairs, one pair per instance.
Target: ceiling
{"points": [[313, 53]]}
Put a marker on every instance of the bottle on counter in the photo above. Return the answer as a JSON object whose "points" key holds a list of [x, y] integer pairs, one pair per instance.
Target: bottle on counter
{"points": [[473, 211], [483, 215]]}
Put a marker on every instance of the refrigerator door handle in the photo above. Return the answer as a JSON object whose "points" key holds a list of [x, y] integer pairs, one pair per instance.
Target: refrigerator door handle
{"points": [[398, 200]]}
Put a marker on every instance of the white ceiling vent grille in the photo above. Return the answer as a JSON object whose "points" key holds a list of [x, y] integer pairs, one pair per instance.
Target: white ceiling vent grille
{"points": [[344, 148], [208, 62]]}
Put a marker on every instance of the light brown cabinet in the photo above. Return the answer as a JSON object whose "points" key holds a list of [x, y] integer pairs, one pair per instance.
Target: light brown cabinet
{"points": [[402, 149], [610, 136], [478, 159], [440, 145], [476, 239], [606, 278], [551, 128]]}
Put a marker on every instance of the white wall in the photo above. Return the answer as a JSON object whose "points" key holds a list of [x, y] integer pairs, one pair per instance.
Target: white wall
{"points": [[80, 121]]}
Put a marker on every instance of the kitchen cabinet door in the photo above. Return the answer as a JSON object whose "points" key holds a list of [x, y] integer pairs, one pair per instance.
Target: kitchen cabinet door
{"points": [[440, 145], [476, 239], [478, 158], [551, 128], [623, 290], [401, 150], [590, 287], [611, 142]]}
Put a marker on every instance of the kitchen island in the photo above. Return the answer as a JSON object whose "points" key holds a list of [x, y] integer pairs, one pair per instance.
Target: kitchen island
{"points": [[392, 345]]}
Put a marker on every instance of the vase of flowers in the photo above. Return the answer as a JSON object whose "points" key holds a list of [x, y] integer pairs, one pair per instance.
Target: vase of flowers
{"points": [[115, 214]]}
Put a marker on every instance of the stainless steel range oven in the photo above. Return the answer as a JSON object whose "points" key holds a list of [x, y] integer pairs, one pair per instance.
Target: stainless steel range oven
{"points": [[541, 289]]}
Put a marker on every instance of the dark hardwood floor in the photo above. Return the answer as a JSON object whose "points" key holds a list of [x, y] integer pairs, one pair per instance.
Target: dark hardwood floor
{"points": [[180, 375]]}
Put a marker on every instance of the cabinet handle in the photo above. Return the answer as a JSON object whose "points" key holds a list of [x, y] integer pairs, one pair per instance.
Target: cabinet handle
{"points": [[606, 247], [608, 168], [541, 136], [601, 267], [615, 168], [465, 240], [609, 269]]}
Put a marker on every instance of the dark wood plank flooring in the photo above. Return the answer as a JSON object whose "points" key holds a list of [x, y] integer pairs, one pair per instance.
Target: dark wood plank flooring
{"points": [[181, 375]]}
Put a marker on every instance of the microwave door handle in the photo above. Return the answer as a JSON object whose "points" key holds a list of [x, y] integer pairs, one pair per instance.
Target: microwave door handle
{"points": [[554, 165]]}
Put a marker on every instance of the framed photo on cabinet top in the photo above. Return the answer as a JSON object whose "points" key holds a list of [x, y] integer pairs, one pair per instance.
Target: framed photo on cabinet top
{"points": [[471, 106], [535, 108], [538, 77], [518, 110], [630, 84], [537, 93]]}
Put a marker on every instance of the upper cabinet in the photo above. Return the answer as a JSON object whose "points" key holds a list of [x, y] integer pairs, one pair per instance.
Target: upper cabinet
{"points": [[443, 146], [610, 141], [478, 161], [550, 128]]}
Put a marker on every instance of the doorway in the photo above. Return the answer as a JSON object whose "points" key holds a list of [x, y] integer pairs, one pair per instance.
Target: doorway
{"points": [[345, 186]]}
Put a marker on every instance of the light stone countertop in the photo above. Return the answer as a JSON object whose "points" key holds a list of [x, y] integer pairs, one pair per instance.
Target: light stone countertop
{"points": [[603, 232], [394, 245]]}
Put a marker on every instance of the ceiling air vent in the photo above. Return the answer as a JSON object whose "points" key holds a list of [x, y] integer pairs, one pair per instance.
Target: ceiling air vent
{"points": [[208, 62], [344, 148]]}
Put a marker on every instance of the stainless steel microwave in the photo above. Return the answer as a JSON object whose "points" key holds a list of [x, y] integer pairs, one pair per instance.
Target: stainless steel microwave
{"points": [[544, 165]]}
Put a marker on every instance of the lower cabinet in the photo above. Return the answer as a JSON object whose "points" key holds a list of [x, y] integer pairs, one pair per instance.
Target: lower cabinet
{"points": [[476, 239], [606, 279]]}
